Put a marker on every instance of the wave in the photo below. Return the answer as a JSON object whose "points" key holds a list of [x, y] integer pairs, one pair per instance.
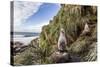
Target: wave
{"points": [[18, 36], [24, 34], [25, 40], [24, 37]]}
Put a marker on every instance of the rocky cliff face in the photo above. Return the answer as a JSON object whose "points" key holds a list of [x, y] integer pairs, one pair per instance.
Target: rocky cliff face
{"points": [[73, 18]]}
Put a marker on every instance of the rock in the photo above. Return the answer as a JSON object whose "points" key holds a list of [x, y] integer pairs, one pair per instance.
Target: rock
{"points": [[74, 58], [35, 43], [60, 57], [18, 47]]}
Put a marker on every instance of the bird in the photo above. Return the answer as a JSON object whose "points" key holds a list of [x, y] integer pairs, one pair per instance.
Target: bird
{"points": [[86, 29], [62, 40]]}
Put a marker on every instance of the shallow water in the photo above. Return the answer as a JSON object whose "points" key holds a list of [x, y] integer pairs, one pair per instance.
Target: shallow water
{"points": [[24, 40]]}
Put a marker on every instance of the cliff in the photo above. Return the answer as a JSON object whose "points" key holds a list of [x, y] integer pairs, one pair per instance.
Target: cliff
{"points": [[73, 18]]}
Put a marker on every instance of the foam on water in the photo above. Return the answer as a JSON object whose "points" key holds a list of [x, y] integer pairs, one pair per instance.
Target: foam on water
{"points": [[24, 40]]}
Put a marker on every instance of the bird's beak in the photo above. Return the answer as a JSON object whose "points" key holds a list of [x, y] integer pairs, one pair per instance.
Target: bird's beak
{"points": [[62, 31]]}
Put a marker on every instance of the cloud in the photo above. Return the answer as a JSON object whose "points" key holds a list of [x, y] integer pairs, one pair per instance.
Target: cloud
{"points": [[32, 28], [23, 10], [38, 27]]}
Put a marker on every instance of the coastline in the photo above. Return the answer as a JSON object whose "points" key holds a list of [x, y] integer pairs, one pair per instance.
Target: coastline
{"points": [[25, 40]]}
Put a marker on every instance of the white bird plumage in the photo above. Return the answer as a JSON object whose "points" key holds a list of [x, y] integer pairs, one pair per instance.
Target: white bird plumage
{"points": [[62, 40], [86, 29]]}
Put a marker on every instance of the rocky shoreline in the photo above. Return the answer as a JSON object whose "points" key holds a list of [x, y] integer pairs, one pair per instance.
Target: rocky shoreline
{"points": [[18, 47]]}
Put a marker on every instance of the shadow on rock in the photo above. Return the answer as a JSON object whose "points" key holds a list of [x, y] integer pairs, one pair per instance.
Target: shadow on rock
{"points": [[64, 57]]}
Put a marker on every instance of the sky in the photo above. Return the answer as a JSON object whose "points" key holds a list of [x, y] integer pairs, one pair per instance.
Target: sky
{"points": [[31, 16]]}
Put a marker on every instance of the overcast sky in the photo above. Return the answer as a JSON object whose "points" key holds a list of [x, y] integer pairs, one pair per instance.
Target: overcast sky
{"points": [[31, 16]]}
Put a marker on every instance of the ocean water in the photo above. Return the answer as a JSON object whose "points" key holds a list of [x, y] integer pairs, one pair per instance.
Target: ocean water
{"points": [[24, 38]]}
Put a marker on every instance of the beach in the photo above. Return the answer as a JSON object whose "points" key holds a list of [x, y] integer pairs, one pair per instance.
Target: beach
{"points": [[24, 40]]}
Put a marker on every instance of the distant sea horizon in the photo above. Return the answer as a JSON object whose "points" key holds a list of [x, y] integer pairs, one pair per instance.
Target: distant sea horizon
{"points": [[24, 37], [24, 34]]}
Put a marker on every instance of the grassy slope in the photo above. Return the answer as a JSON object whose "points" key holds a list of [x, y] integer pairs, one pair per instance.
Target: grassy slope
{"points": [[72, 18]]}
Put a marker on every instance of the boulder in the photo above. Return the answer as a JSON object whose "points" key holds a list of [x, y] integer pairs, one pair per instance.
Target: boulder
{"points": [[59, 57]]}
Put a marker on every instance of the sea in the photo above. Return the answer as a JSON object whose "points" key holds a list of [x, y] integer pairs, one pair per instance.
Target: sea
{"points": [[24, 37]]}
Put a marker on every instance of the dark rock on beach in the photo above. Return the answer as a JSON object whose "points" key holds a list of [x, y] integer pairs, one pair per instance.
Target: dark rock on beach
{"points": [[18, 47]]}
